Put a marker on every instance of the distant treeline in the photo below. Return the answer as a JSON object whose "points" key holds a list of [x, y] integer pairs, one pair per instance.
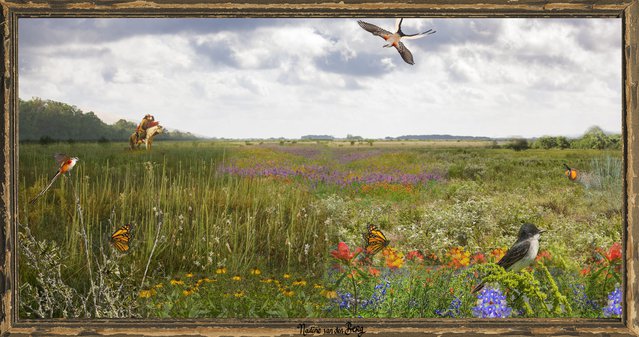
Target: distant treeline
{"points": [[594, 138], [47, 121], [437, 137]]}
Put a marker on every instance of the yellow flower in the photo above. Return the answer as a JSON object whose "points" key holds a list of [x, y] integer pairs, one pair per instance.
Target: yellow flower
{"points": [[299, 282], [329, 293], [287, 276], [318, 286], [158, 286], [188, 291], [266, 280], [189, 275], [200, 281], [255, 271], [237, 278], [288, 292], [146, 293], [239, 294], [175, 282], [220, 270]]}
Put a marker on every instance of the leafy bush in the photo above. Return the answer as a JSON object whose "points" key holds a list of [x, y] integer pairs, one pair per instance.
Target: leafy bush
{"points": [[548, 142], [596, 138], [517, 144]]}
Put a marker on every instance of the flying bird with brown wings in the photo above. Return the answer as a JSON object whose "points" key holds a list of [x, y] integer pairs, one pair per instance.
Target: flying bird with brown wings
{"points": [[394, 39]]}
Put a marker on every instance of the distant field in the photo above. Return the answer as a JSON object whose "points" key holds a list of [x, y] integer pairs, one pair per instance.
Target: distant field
{"points": [[282, 207]]}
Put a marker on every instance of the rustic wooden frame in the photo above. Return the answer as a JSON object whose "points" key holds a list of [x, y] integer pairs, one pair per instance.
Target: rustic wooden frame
{"points": [[627, 10]]}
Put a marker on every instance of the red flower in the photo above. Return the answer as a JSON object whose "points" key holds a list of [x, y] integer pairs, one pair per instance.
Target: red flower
{"points": [[585, 271], [479, 258], [614, 253], [342, 252], [543, 255], [415, 255], [373, 271]]}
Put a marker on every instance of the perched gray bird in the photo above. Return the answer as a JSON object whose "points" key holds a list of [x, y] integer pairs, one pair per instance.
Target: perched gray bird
{"points": [[393, 39], [522, 253]]}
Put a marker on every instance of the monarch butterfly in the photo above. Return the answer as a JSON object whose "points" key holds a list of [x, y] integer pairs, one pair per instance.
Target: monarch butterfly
{"points": [[120, 238], [570, 173], [375, 240]]}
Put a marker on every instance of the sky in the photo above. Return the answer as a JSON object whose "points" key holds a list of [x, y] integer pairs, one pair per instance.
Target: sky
{"points": [[262, 78]]}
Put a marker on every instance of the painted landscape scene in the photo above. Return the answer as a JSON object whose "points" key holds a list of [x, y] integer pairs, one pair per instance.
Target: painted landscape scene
{"points": [[288, 168]]}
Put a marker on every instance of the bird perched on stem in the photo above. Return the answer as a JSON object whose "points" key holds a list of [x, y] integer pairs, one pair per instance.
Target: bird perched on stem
{"points": [[394, 39], [66, 164], [522, 253]]}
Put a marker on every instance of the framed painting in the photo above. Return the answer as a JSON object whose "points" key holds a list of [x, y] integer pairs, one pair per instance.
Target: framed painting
{"points": [[268, 168]]}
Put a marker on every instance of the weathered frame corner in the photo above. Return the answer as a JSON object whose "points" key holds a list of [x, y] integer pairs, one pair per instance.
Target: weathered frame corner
{"points": [[627, 10]]}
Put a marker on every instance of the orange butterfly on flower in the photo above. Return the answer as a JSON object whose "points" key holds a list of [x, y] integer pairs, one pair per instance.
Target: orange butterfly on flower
{"points": [[121, 237], [374, 240]]}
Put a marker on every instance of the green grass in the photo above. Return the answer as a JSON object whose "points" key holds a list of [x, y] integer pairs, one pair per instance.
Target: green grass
{"points": [[208, 218]]}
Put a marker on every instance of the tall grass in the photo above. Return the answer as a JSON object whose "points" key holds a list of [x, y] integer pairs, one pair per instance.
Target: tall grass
{"points": [[210, 218], [192, 216]]}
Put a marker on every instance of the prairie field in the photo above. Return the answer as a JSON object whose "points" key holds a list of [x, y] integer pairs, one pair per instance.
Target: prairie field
{"points": [[272, 229]]}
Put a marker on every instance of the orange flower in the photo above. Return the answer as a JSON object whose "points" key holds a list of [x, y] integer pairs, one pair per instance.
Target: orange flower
{"points": [[497, 254], [394, 259], [373, 271], [459, 257]]}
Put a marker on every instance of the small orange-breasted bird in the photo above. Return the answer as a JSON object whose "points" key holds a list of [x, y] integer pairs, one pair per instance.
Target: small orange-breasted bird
{"points": [[66, 164], [570, 173]]}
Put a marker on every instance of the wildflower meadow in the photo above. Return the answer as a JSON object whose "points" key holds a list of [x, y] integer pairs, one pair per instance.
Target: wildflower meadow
{"points": [[275, 230]]}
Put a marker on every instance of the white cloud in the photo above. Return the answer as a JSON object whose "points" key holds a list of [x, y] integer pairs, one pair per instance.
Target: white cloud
{"points": [[269, 78]]}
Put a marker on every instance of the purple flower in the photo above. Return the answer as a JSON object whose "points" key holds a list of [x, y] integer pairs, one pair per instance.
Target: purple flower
{"points": [[491, 303], [614, 303], [453, 309]]}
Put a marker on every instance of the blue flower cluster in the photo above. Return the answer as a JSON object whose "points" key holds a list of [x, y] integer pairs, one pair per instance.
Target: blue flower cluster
{"points": [[614, 303], [491, 303], [378, 295], [581, 298], [346, 300], [453, 309]]}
